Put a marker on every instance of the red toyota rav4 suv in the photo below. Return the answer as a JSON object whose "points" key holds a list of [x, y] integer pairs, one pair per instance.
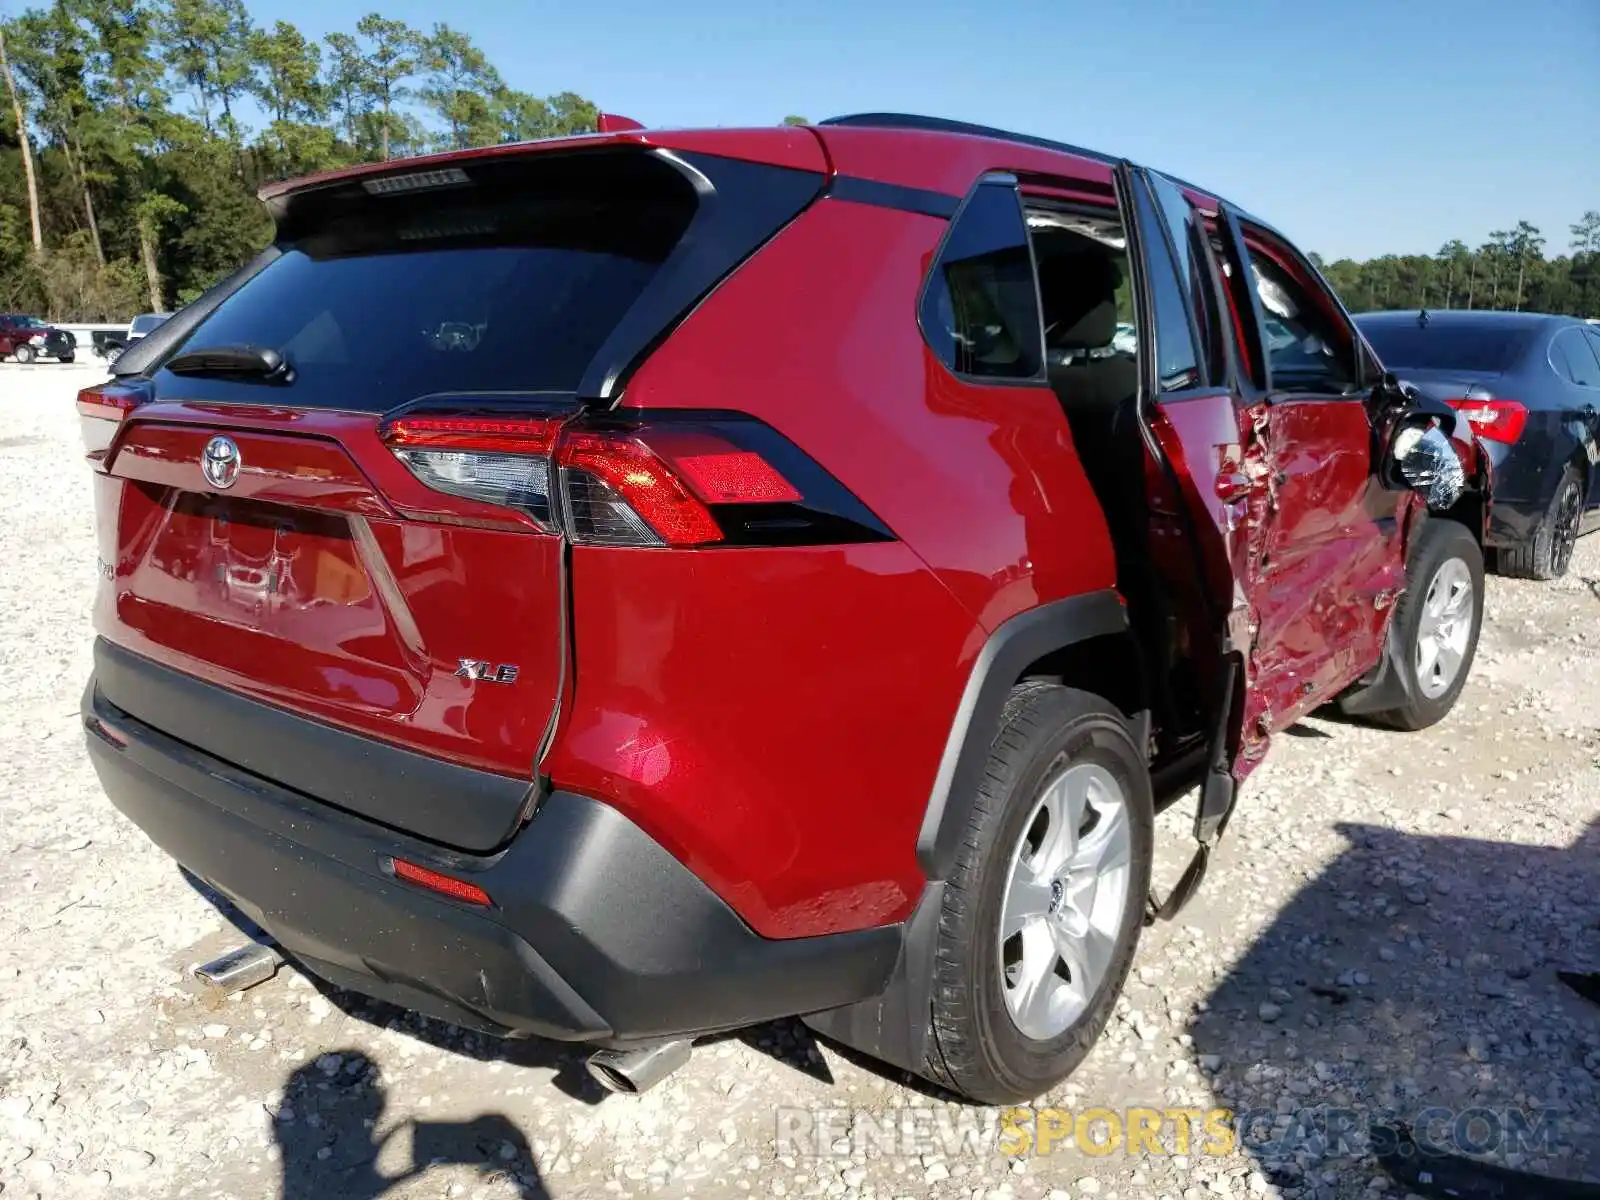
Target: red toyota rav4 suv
{"points": [[627, 587]]}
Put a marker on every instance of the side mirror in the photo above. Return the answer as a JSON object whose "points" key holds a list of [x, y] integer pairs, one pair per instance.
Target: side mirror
{"points": [[1421, 457]]}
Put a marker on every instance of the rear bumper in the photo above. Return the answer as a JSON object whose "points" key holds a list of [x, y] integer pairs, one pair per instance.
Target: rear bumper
{"points": [[1512, 523], [596, 934]]}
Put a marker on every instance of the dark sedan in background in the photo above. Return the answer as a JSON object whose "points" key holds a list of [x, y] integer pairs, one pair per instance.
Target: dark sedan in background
{"points": [[1529, 385]]}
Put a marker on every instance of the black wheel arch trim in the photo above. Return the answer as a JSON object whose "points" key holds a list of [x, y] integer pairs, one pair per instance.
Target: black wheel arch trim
{"points": [[1022, 640], [893, 1027]]}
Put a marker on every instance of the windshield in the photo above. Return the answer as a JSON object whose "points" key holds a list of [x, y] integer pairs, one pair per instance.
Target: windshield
{"points": [[1446, 345]]}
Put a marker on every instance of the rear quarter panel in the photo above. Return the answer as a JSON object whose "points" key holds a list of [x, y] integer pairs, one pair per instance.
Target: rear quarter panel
{"points": [[776, 717]]}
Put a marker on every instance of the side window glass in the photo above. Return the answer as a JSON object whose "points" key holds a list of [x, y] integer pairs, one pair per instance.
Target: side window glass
{"points": [[1177, 360], [1306, 350], [1191, 245], [980, 308], [1575, 350]]}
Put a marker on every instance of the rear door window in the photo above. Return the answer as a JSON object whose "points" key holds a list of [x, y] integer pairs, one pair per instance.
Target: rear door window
{"points": [[980, 306], [1574, 357], [509, 282], [1177, 356]]}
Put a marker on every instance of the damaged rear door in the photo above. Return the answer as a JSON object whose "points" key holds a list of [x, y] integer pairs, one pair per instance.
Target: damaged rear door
{"points": [[1208, 425]]}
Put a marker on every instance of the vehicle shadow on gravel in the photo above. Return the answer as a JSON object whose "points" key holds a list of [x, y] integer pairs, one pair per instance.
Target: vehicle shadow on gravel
{"points": [[327, 1128], [1404, 1018]]}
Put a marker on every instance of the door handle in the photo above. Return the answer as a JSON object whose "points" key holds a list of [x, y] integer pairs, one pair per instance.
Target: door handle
{"points": [[1232, 487]]}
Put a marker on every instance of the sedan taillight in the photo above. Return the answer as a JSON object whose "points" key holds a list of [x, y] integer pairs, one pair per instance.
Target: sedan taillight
{"points": [[1493, 420]]}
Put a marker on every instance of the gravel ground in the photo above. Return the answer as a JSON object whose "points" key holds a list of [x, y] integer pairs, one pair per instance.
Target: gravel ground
{"points": [[1380, 935]]}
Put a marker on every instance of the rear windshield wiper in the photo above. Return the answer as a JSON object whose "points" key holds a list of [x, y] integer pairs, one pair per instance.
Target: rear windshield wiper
{"points": [[256, 362]]}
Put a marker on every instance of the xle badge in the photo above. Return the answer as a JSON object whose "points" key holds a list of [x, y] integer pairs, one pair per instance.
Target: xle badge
{"points": [[479, 671]]}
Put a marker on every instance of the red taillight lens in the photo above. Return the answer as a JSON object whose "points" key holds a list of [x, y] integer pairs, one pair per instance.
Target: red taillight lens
{"points": [[719, 472], [512, 435], [101, 411], [497, 460], [680, 480], [1493, 420], [619, 492], [434, 881]]}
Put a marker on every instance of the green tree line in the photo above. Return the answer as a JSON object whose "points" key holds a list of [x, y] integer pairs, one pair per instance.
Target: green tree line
{"points": [[1509, 271], [134, 135]]}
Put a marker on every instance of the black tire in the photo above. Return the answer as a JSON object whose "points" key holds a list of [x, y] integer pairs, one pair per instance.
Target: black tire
{"points": [[975, 1048], [1437, 543], [66, 358], [23, 354], [1548, 554]]}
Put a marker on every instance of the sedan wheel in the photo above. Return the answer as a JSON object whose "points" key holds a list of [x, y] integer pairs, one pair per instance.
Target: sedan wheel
{"points": [[1564, 525]]}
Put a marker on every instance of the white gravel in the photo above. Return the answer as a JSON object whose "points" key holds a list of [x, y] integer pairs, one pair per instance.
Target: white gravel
{"points": [[1381, 933]]}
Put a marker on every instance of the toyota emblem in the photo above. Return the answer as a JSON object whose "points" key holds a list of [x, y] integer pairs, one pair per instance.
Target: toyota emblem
{"points": [[220, 462]]}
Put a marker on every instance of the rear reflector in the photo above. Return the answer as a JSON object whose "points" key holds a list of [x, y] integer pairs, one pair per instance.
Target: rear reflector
{"points": [[445, 885], [1493, 420], [107, 731]]}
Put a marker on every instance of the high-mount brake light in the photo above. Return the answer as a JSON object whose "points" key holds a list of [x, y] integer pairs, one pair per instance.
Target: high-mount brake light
{"points": [[664, 481], [1493, 420], [101, 411]]}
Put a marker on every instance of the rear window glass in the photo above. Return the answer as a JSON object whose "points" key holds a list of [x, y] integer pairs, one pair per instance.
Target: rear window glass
{"points": [[1444, 346], [980, 311], [509, 278], [145, 323]]}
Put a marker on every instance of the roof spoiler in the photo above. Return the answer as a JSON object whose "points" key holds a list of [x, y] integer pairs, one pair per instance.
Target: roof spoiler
{"points": [[613, 123]]}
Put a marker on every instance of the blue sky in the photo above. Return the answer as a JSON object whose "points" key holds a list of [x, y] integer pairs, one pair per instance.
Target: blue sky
{"points": [[1358, 127]]}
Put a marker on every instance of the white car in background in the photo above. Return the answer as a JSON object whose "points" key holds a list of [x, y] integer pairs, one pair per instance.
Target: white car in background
{"points": [[139, 327]]}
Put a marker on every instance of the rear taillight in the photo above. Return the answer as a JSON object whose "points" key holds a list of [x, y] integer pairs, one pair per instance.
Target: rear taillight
{"points": [[670, 480], [498, 460], [1493, 420], [101, 411]]}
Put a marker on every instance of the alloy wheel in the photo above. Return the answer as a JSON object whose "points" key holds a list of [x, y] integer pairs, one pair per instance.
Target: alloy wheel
{"points": [[1065, 900], [1445, 629], [1564, 528]]}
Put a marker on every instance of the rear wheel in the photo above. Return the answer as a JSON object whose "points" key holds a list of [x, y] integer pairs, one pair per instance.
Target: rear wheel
{"points": [[1437, 622], [66, 358], [24, 353], [1043, 908], [1548, 554]]}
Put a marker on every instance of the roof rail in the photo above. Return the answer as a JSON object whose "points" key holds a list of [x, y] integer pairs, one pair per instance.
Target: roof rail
{"points": [[942, 125]]}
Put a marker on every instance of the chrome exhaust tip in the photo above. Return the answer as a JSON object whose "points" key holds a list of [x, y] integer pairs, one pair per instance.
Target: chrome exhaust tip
{"points": [[632, 1072], [238, 969]]}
